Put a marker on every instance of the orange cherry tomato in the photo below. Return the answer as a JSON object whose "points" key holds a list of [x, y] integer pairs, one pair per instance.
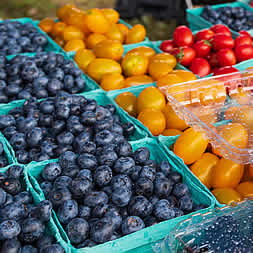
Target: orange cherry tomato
{"points": [[227, 195], [109, 49], [72, 33], [190, 146], [58, 28], [134, 65], [46, 25], [124, 30], [184, 74], [112, 81], [62, 12], [114, 33], [245, 189], [203, 167], [145, 51], [93, 39], [240, 95], [152, 98], [96, 21], [244, 115], [74, 45], [60, 41], [99, 67], [153, 119], [235, 134], [136, 34], [83, 58], [169, 79], [111, 15], [171, 132], [138, 80], [172, 120], [127, 101], [227, 174]]}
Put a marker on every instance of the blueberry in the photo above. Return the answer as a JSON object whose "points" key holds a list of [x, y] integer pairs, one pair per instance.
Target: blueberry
{"points": [[15, 171], [12, 211], [71, 171], [80, 187], [34, 137], [62, 181], [46, 187], [51, 171], [65, 138], [44, 241], [6, 121], [132, 224], [175, 177], [3, 161], [121, 181], [43, 210], [54, 86], [124, 165], [54, 248], [185, 203], [23, 198], [9, 132], [67, 159], [140, 206], [58, 195], [141, 155], [77, 230], [9, 229], [148, 172], [115, 217], [180, 190], [100, 210], [144, 186], [135, 173], [85, 174], [11, 185], [107, 158], [95, 198], [150, 221], [103, 175], [86, 244], [28, 249], [87, 161], [102, 230], [80, 85], [88, 118], [67, 211], [163, 187], [163, 210], [84, 212], [121, 196], [165, 168], [104, 137], [178, 212], [32, 229], [11, 246], [2, 197]]}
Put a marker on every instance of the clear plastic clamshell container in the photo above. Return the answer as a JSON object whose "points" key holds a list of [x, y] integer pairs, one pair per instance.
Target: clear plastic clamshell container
{"points": [[227, 229], [222, 108]]}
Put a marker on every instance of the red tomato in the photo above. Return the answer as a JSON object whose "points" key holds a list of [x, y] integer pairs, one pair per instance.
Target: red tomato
{"points": [[205, 34], [244, 33], [167, 46], [213, 60], [244, 52], [182, 36], [202, 48], [225, 70], [219, 28], [184, 55], [243, 40], [200, 67], [221, 41], [226, 57]]}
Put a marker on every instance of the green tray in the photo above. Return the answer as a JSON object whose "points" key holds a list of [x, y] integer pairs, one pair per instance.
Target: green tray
{"points": [[101, 99], [51, 46], [51, 227], [141, 241], [167, 142]]}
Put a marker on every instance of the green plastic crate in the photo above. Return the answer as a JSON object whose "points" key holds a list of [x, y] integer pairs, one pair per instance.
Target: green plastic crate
{"points": [[167, 142], [196, 22], [51, 46], [141, 241], [101, 99], [51, 227]]}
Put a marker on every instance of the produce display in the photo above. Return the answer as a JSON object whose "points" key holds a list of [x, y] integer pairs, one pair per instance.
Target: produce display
{"points": [[22, 223], [209, 49], [44, 130], [110, 191], [77, 167], [236, 18], [78, 29], [16, 38], [40, 76]]}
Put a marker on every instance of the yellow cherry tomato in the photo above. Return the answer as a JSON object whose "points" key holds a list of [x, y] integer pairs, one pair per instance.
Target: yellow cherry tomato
{"points": [[245, 189], [227, 195]]}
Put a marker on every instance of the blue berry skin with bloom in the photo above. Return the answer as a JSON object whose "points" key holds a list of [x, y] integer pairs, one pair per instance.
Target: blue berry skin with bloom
{"points": [[163, 210], [132, 224]]}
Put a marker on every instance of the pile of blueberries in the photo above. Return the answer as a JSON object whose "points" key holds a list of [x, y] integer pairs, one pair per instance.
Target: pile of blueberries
{"points": [[3, 159], [40, 76], [99, 199], [22, 224], [44, 130], [16, 38], [236, 18], [226, 234]]}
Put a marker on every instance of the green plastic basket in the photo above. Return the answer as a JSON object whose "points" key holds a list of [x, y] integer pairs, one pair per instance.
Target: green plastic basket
{"points": [[101, 99], [167, 142], [8, 151], [141, 241], [51, 227], [51, 46], [196, 22]]}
